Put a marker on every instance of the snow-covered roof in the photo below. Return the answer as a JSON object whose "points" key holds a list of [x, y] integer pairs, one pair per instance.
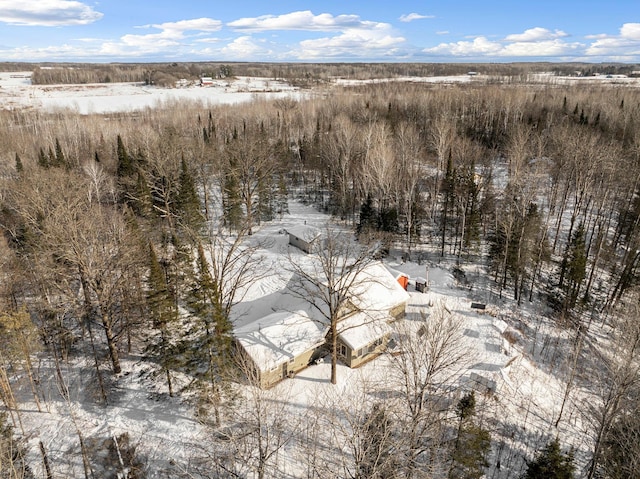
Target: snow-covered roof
{"points": [[279, 337], [360, 329], [396, 274], [377, 290], [305, 232]]}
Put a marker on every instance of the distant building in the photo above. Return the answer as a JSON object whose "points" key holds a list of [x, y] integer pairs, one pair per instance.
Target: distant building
{"points": [[206, 81], [306, 238]]}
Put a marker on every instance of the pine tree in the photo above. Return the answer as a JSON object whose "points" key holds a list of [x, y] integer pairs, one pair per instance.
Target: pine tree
{"points": [[232, 199], [126, 165], [211, 344], [472, 445], [448, 190], [551, 463], [141, 201], [574, 267], [187, 203], [265, 204], [43, 159], [164, 315], [59, 157], [19, 167], [282, 202], [368, 217]]}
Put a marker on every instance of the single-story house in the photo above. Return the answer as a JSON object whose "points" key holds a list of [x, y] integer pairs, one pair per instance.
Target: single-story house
{"points": [[206, 81], [307, 238], [377, 299], [362, 336], [279, 345]]}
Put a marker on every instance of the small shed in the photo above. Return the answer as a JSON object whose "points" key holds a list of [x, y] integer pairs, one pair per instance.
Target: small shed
{"points": [[421, 285], [307, 238], [279, 345], [206, 81]]}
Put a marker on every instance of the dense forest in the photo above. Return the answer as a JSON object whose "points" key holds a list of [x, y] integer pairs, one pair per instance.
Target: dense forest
{"points": [[115, 225]]}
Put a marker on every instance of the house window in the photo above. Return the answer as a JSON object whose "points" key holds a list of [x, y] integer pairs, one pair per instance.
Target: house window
{"points": [[342, 350], [359, 353]]}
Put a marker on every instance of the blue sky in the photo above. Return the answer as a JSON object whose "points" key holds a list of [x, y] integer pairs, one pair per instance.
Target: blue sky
{"points": [[314, 31]]}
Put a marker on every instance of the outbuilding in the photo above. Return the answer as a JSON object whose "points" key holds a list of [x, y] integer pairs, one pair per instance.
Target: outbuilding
{"points": [[307, 238]]}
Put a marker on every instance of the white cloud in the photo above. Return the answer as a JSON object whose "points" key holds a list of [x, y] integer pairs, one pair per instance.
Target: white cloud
{"points": [[208, 40], [624, 47], [49, 13], [356, 38], [630, 31], [549, 48], [413, 16], [479, 46], [443, 32], [352, 43], [244, 47], [196, 24], [483, 47], [171, 34], [536, 34], [302, 20]]}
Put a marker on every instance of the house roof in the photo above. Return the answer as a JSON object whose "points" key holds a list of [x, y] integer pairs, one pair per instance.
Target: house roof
{"points": [[360, 329], [279, 337], [305, 232], [377, 290]]}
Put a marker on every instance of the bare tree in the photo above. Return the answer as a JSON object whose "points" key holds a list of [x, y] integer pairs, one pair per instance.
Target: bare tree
{"points": [[330, 280], [618, 380], [432, 357]]}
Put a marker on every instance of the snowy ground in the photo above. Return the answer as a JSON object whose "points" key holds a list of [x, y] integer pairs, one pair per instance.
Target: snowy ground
{"points": [[512, 348], [16, 92]]}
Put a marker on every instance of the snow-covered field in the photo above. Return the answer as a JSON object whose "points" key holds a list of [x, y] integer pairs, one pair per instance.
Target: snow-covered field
{"points": [[16, 91]]}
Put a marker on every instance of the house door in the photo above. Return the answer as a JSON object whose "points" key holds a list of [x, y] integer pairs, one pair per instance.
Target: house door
{"points": [[285, 371]]}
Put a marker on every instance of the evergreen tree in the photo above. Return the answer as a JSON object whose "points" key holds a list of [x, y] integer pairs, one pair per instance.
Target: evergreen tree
{"points": [[141, 201], [210, 343], [574, 267], [368, 217], [164, 315], [19, 167], [282, 202], [43, 159], [59, 157], [232, 199], [551, 463], [472, 445], [187, 202], [266, 199], [448, 190], [126, 165]]}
